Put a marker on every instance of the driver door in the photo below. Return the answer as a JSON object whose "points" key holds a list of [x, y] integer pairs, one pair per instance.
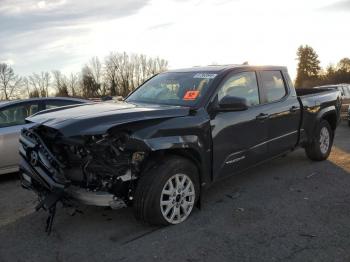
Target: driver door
{"points": [[239, 137]]}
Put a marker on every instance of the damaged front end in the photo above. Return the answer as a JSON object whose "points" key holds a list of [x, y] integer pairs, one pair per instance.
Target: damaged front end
{"points": [[93, 170]]}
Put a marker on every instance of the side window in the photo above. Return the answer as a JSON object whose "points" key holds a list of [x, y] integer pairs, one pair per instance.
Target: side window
{"points": [[241, 85], [16, 115], [57, 103], [273, 85], [290, 84]]}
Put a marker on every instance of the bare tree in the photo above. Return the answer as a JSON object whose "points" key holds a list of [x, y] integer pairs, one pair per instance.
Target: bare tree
{"points": [[73, 84], [123, 72], [40, 83], [10, 83], [92, 79], [26, 85], [60, 83], [96, 69], [90, 86], [110, 74], [120, 74]]}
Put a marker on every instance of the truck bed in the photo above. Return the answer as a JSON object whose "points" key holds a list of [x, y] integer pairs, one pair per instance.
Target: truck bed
{"points": [[309, 91], [315, 103]]}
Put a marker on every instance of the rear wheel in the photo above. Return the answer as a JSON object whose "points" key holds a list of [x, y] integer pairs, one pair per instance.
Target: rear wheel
{"points": [[320, 148], [167, 193]]}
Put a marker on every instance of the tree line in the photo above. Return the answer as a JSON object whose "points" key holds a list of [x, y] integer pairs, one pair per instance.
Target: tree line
{"points": [[117, 75], [120, 73], [310, 73]]}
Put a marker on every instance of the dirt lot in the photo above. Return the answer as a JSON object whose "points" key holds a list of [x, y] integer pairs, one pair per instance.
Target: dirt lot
{"points": [[288, 209]]}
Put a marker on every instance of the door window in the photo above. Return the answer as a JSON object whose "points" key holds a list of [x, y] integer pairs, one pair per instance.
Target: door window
{"points": [[273, 86], [16, 115], [243, 85]]}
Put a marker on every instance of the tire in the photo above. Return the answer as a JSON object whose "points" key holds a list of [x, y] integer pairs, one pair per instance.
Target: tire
{"points": [[154, 185], [319, 149]]}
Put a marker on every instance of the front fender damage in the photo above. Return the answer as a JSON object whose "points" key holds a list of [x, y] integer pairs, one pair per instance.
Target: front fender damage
{"points": [[99, 170]]}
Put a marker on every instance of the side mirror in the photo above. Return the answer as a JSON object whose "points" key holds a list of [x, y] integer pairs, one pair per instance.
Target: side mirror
{"points": [[233, 103]]}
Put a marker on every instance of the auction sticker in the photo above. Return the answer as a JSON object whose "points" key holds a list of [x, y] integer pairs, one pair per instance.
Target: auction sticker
{"points": [[204, 75], [191, 95]]}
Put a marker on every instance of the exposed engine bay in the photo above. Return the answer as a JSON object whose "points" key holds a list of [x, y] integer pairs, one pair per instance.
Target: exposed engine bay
{"points": [[93, 170]]}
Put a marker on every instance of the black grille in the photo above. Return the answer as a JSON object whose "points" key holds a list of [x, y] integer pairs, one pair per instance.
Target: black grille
{"points": [[34, 147]]}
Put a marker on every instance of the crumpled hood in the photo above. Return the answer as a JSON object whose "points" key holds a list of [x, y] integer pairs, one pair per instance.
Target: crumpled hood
{"points": [[97, 118]]}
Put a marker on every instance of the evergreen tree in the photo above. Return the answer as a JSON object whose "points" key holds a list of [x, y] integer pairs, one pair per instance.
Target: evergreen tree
{"points": [[308, 67]]}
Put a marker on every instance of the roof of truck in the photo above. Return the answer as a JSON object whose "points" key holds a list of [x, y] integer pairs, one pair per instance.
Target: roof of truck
{"points": [[219, 68]]}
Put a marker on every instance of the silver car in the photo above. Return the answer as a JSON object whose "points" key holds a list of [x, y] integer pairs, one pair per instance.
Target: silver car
{"points": [[12, 120]]}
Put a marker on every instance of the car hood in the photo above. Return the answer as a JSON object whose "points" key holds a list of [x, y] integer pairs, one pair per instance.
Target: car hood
{"points": [[97, 118]]}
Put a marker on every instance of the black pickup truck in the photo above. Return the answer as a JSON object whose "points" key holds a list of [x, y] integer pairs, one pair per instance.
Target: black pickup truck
{"points": [[173, 136]]}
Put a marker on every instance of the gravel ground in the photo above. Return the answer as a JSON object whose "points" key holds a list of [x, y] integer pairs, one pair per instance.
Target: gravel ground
{"points": [[290, 209]]}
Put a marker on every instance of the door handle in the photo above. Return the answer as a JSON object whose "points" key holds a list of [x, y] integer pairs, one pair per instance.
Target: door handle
{"points": [[262, 116], [293, 109]]}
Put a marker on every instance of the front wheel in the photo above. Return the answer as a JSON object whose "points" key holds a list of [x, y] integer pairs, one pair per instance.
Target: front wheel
{"points": [[320, 148], [167, 193]]}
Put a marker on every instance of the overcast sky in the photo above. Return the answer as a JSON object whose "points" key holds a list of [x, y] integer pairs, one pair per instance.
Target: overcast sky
{"points": [[64, 34]]}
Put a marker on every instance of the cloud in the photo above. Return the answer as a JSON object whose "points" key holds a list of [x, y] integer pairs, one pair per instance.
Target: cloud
{"points": [[60, 8], [20, 15], [38, 31], [160, 26], [338, 6]]}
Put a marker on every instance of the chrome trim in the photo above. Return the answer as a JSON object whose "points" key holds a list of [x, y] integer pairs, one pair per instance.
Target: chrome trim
{"points": [[234, 160], [21, 150], [273, 139], [26, 141], [44, 160]]}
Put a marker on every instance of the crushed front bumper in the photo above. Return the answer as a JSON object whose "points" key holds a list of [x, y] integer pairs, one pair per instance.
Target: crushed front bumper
{"points": [[42, 173], [37, 165]]}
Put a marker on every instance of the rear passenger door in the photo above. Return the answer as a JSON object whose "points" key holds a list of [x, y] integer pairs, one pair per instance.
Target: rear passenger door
{"points": [[283, 110]]}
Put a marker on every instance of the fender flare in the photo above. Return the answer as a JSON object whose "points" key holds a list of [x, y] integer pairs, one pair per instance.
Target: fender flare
{"points": [[326, 111], [330, 110]]}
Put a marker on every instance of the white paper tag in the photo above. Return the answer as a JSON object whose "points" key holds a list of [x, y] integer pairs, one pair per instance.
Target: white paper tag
{"points": [[205, 75]]}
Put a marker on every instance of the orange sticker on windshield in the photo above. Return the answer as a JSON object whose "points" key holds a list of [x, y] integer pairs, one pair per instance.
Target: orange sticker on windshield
{"points": [[191, 95]]}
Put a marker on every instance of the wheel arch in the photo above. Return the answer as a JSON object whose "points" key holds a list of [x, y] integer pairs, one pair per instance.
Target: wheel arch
{"points": [[330, 115], [190, 154], [331, 118]]}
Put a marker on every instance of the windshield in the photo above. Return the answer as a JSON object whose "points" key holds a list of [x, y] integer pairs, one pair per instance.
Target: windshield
{"points": [[183, 89]]}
